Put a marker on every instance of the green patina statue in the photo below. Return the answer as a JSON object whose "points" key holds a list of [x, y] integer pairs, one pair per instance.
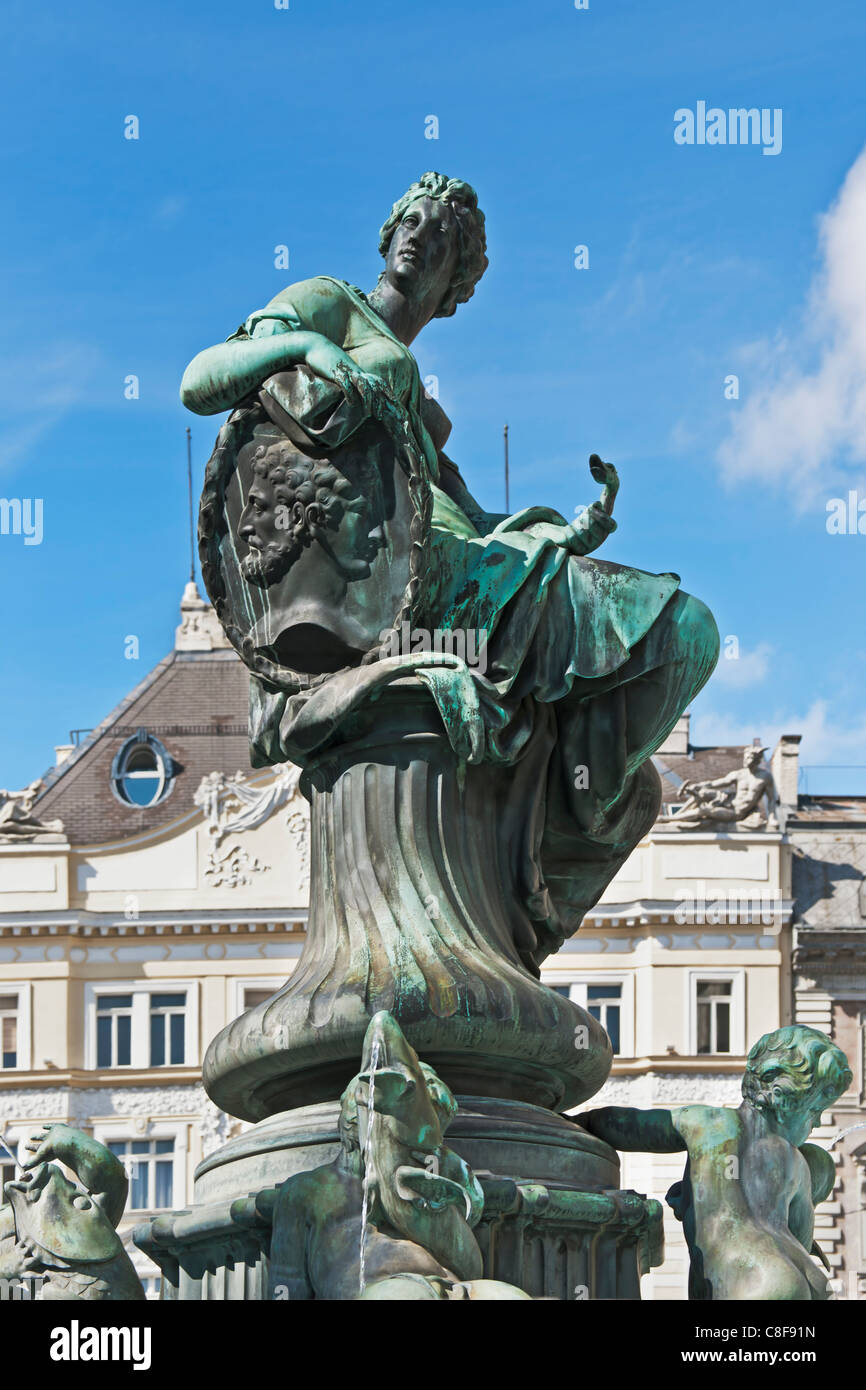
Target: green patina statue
{"points": [[751, 1182], [594, 659], [392, 1216], [470, 803], [53, 1227]]}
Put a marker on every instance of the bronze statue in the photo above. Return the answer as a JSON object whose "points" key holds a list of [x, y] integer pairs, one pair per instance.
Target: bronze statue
{"points": [[54, 1227], [392, 1216], [751, 1183]]}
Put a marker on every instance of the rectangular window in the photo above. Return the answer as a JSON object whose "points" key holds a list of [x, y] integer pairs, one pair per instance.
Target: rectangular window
{"points": [[253, 996], [713, 1000], [167, 1030], [149, 1164], [114, 1030], [604, 1002], [9, 1029]]}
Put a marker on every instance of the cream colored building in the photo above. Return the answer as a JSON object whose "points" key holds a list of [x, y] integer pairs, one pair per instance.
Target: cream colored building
{"points": [[175, 895]]}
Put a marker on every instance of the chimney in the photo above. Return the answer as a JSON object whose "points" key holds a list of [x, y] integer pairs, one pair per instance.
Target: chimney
{"points": [[677, 741], [62, 751], [785, 767]]}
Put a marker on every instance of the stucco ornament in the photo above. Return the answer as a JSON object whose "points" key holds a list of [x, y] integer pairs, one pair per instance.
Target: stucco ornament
{"points": [[392, 1216], [66, 1230], [751, 1183]]}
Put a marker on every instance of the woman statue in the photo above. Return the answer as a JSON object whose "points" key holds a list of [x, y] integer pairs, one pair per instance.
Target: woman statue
{"points": [[588, 664]]}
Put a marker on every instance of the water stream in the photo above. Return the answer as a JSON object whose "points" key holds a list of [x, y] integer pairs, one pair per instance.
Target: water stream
{"points": [[367, 1160]]}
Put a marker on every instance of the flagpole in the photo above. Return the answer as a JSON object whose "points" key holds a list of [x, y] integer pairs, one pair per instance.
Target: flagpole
{"points": [[507, 503], [189, 482]]}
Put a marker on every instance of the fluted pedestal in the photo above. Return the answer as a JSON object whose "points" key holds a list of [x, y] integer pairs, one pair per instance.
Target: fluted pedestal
{"points": [[418, 906]]}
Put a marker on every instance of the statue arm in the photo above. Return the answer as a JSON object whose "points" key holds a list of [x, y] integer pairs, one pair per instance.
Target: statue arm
{"points": [[642, 1131], [99, 1170], [217, 378], [301, 1196]]}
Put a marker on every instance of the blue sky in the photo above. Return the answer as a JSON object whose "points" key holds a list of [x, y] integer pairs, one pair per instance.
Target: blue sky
{"points": [[261, 127]]}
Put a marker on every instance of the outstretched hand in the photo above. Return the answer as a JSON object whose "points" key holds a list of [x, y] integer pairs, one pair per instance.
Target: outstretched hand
{"points": [[55, 1141], [590, 529]]}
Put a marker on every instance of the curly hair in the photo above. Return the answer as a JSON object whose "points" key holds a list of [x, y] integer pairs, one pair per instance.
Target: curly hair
{"points": [[792, 1064], [472, 261], [313, 492]]}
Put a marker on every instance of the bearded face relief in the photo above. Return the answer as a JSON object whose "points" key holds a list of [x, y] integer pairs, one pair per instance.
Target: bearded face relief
{"points": [[294, 502], [307, 547]]}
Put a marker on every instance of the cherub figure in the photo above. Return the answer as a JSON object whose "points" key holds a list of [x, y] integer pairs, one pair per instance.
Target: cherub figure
{"points": [[751, 1183], [52, 1226]]}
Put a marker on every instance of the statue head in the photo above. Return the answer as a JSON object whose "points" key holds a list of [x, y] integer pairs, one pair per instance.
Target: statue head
{"points": [[792, 1075], [435, 236], [753, 757], [293, 500]]}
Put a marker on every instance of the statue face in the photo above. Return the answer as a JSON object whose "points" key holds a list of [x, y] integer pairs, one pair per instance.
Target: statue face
{"points": [[269, 551], [797, 1124], [276, 531], [359, 540], [423, 252]]}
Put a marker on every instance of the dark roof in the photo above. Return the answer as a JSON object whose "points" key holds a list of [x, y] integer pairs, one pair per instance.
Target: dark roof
{"points": [[698, 765], [195, 703]]}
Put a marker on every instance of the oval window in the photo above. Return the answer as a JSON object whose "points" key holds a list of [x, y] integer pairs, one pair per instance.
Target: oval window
{"points": [[142, 772]]}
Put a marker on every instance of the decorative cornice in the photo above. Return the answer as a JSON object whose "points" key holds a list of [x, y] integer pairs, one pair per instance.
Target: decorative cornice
{"points": [[77, 1079], [289, 922]]}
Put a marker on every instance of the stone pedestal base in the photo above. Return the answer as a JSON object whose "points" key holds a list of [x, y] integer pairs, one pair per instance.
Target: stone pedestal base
{"points": [[554, 1222]]}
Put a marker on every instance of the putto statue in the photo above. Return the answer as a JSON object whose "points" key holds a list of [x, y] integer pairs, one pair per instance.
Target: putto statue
{"points": [[332, 524], [391, 1218], [53, 1227], [751, 1183], [736, 798]]}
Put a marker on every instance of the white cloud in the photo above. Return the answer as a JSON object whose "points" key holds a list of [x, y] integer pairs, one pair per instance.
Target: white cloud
{"points": [[826, 740], [744, 670], [807, 420]]}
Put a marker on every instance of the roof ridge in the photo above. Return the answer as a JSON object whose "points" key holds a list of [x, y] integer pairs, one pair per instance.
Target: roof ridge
{"points": [[54, 774]]}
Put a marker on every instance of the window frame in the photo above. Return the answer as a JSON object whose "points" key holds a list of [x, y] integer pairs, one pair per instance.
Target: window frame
{"points": [[244, 982], [23, 1013], [123, 1131], [736, 977], [141, 990], [166, 769], [578, 985]]}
